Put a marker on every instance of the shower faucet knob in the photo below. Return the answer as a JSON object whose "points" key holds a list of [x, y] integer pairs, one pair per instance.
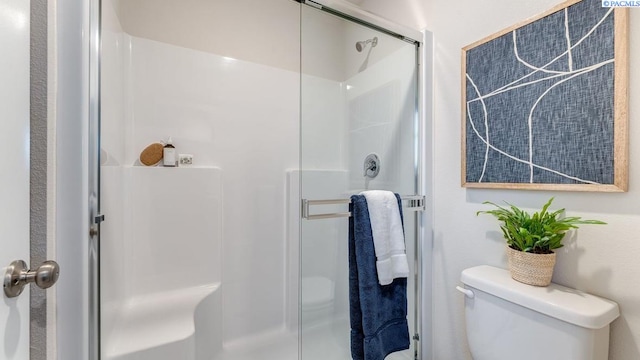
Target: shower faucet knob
{"points": [[371, 166]]}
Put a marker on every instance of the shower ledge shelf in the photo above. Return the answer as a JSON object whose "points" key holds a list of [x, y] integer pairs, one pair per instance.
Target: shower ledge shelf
{"points": [[172, 168], [152, 320]]}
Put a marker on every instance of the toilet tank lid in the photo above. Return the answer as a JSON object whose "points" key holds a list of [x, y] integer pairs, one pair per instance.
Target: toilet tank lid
{"points": [[570, 305]]}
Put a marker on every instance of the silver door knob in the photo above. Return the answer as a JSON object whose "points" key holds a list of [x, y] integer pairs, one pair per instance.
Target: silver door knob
{"points": [[17, 276]]}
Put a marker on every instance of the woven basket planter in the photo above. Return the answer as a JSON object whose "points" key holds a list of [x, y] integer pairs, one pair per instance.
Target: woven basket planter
{"points": [[529, 268]]}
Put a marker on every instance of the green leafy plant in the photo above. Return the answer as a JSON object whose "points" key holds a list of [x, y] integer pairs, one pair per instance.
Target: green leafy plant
{"points": [[539, 233]]}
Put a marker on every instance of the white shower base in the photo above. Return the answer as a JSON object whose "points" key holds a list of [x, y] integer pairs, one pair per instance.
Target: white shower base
{"points": [[152, 332], [330, 341], [326, 341]]}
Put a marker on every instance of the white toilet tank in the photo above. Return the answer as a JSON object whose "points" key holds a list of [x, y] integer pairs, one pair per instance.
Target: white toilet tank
{"points": [[508, 320]]}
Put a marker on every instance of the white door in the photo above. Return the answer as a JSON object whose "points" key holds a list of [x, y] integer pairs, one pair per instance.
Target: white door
{"points": [[14, 170]]}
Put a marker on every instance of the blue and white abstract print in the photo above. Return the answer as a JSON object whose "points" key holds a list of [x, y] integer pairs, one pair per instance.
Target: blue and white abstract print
{"points": [[540, 101]]}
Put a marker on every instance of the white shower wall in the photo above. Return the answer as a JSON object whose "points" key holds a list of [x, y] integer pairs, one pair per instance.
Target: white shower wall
{"points": [[381, 110], [241, 117]]}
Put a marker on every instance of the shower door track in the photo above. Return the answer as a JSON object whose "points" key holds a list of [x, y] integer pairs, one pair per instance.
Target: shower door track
{"points": [[354, 19]]}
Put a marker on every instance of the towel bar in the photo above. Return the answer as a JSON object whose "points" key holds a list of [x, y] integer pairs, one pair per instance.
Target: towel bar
{"points": [[409, 202]]}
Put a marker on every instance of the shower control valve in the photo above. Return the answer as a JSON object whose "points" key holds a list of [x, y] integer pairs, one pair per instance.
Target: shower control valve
{"points": [[371, 166]]}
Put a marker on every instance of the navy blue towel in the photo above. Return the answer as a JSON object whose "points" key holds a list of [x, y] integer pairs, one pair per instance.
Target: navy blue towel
{"points": [[378, 314]]}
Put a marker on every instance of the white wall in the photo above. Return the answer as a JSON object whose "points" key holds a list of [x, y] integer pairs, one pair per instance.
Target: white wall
{"points": [[600, 259], [411, 13], [243, 29]]}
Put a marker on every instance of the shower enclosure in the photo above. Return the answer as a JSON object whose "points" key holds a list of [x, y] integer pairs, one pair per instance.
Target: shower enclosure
{"points": [[240, 252]]}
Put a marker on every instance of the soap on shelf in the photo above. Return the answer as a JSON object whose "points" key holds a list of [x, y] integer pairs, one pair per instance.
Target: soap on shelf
{"points": [[152, 154], [169, 154], [185, 159]]}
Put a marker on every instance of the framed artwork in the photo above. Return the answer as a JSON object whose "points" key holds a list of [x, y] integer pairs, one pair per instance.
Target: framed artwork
{"points": [[544, 102]]}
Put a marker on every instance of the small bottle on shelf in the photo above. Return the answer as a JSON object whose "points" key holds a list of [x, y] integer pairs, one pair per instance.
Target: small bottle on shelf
{"points": [[169, 154]]}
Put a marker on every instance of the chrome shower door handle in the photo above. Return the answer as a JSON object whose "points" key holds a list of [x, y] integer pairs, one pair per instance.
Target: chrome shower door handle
{"points": [[17, 276]]}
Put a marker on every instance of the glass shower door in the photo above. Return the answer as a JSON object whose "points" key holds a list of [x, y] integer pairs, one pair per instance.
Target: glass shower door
{"points": [[358, 132]]}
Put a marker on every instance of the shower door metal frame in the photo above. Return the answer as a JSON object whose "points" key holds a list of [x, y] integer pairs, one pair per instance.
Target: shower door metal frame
{"points": [[95, 216], [419, 151], [94, 22]]}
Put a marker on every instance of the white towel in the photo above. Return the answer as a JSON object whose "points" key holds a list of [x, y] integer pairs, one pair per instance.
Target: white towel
{"points": [[388, 235]]}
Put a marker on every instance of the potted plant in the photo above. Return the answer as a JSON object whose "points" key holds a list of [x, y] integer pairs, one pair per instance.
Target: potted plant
{"points": [[531, 239]]}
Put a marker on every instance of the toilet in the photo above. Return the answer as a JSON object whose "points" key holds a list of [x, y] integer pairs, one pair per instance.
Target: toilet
{"points": [[317, 300], [507, 320]]}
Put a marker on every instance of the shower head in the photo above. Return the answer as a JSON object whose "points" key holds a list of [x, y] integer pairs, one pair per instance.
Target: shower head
{"points": [[360, 45]]}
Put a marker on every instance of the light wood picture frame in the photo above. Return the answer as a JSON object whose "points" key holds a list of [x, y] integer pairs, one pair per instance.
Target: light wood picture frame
{"points": [[545, 102]]}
